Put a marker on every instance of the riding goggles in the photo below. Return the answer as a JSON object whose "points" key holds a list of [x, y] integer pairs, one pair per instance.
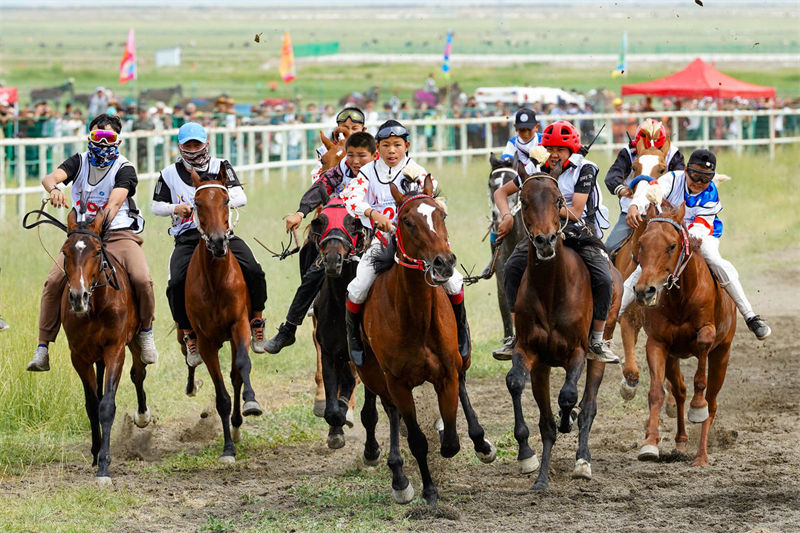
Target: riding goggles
{"points": [[392, 131], [103, 137], [700, 176], [353, 114]]}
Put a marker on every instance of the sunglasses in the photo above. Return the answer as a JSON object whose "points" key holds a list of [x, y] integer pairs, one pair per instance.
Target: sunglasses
{"points": [[103, 137], [700, 176], [392, 131], [353, 114]]}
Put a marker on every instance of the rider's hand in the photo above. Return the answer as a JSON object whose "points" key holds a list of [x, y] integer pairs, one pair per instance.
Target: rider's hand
{"points": [[381, 222], [183, 210], [633, 218], [293, 221], [625, 192], [57, 198], [505, 226]]}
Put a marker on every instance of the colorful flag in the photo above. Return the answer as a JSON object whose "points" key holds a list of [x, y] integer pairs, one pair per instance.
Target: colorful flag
{"points": [[447, 48], [127, 67], [622, 67], [287, 60]]}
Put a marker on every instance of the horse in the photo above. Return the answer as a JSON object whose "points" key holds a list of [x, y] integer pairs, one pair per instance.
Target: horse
{"points": [[218, 307], [337, 236], [100, 317], [52, 93], [335, 148], [695, 318], [553, 314], [409, 333], [164, 94]]}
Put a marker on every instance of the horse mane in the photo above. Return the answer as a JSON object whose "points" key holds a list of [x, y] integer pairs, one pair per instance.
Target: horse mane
{"points": [[384, 259]]}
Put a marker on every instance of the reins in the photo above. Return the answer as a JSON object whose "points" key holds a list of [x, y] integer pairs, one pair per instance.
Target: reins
{"points": [[686, 252]]}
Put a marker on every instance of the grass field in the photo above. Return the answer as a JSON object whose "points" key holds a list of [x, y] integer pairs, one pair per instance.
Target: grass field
{"points": [[42, 420]]}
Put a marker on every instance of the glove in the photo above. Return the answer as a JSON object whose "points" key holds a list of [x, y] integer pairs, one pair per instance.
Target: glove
{"points": [[539, 155], [655, 195], [413, 171]]}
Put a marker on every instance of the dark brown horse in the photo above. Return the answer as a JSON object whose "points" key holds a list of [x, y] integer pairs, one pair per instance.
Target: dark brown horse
{"points": [[218, 306], [100, 317], [553, 315], [410, 337], [687, 314]]}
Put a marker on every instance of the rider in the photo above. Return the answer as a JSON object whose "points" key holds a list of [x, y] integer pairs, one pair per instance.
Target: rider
{"points": [[618, 177], [174, 197], [110, 181], [351, 119], [695, 187], [525, 140], [369, 197], [360, 149], [584, 211]]}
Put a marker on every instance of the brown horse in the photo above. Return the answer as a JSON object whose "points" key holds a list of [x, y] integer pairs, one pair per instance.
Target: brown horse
{"points": [[335, 148], [218, 306], [553, 315], [410, 337], [100, 317], [694, 319]]}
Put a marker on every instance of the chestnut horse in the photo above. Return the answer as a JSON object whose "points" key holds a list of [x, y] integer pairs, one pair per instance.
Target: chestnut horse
{"points": [[695, 318], [100, 317], [218, 306], [409, 332], [553, 315]]}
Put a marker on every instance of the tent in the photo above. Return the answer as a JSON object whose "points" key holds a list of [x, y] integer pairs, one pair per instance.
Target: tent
{"points": [[697, 80]]}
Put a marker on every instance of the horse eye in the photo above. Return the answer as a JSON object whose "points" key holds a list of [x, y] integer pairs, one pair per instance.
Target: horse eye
{"points": [[407, 222], [671, 248]]}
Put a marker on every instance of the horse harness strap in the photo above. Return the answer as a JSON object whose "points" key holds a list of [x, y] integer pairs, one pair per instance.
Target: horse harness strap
{"points": [[686, 252], [562, 202], [410, 262], [231, 222], [106, 266]]}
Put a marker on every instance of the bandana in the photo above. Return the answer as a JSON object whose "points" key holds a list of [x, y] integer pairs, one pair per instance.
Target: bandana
{"points": [[102, 156], [197, 158], [524, 149]]}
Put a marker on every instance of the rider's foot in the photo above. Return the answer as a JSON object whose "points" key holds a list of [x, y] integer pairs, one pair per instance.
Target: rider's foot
{"points": [[282, 339], [505, 352], [149, 354], [257, 341], [193, 357], [3, 325], [759, 327], [40, 361], [352, 322], [600, 350]]}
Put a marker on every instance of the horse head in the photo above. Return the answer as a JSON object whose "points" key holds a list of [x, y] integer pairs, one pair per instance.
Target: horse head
{"points": [[650, 161], [421, 235], [337, 235], [212, 212], [335, 147], [660, 250], [541, 205], [502, 172], [84, 258]]}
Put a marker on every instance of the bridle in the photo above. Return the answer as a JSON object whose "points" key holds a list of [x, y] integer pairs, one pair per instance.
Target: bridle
{"points": [[412, 262], [686, 252], [348, 240], [106, 266], [514, 206], [231, 221], [562, 202]]}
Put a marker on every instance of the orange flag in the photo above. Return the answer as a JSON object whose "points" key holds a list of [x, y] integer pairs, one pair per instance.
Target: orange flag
{"points": [[287, 59], [127, 67]]}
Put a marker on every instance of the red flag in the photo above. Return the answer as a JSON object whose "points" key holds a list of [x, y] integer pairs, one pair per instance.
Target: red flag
{"points": [[287, 59], [127, 67]]}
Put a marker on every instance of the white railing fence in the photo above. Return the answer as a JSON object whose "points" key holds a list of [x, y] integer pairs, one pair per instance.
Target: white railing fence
{"points": [[261, 150]]}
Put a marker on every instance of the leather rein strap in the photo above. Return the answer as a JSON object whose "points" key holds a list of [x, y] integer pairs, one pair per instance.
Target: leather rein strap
{"points": [[686, 252]]}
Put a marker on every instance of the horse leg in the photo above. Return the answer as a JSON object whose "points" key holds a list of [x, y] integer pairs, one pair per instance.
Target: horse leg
{"points": [[100, 367], [348, 382], [192, 384], [319, 396], [717, 368], [515, 382], [540, 382], [583, 459], [335, 408], [87, 374], [629, 330], [447, 392], [138, 372], [670, 405], [568, 397], [656, 360], [502, 302], [241, 339], [236, 414], [210, 355], [107, 410], [369, 419], [678, 388], [402, 489], [484, 449], [698, 407]]}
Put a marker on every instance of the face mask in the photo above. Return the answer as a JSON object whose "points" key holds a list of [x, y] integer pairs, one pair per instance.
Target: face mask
{"points": [[102, 156], [197, 158]]}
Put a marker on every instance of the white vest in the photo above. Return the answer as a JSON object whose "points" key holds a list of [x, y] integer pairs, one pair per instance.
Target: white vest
{"points": [[566, 183], [181, 193], [625, 202], [99, 194], [379, 195]]}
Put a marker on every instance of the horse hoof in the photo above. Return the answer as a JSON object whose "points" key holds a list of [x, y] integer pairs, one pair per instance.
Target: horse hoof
{"points": [[648, 452], [348, 418], [251, 408], [197, 384], [403, 496], [142, 419], [627, 390], [583, 470], [236, 434], [526, 466], [319, 408], [335, 442], [372, 462], [540, 485], [488, 457], [671, 409], [227, 459], [439, 425], [104, 481], [698, 416]]}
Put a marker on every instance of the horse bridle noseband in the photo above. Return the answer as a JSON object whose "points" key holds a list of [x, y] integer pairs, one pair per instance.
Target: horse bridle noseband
{"points": [[412, 262], [231, 222], [686, 252], [347, 242]]}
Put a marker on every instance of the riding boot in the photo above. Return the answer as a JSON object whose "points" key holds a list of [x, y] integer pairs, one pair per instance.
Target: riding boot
{"points": [[464, 344], [285, 337], [352, 322]]}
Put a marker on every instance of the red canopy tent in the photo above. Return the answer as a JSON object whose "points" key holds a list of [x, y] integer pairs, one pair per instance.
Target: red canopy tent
{"points": [[697, 80]]}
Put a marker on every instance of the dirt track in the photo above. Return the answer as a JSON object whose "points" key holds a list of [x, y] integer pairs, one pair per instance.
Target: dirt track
{"points": [[751, 483]]}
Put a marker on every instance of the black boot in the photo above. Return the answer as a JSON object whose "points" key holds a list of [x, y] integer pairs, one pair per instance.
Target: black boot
{"points": [[464, 343], [282, 339], [352, 322]]}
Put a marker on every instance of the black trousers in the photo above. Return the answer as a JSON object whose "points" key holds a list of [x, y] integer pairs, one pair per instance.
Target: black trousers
{"points": [[185, 244], [596, 261]]}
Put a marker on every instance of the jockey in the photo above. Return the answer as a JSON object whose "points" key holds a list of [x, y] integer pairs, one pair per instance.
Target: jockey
{"points": [[584, 211], [349, 118], [695, 188], [110, 182], [174, 197], [361, 150], [525, 140], [369, 197], [618, 177]]}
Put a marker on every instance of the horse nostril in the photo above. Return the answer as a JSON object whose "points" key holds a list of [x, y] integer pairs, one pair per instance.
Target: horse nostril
{"points": [[539, 240], [650, 291], [552, 239]]}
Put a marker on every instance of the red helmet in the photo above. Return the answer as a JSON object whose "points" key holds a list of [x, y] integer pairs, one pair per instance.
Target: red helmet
{"points": [[650, 127], [562, 133]]}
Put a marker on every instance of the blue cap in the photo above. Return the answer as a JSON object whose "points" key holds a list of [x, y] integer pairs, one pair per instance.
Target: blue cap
{"points": [[192, 131]]}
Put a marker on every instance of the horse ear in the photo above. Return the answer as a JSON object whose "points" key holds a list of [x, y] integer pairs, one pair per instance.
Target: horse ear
{"points": [[325, 141], [665, 148], [640, 146], [396, 194], [493, 162], [195, 178], [680, 213], [351, 225], [428, 187], [318, 225], [223, 176], [72, 219], [97, 223], [652, 211]]}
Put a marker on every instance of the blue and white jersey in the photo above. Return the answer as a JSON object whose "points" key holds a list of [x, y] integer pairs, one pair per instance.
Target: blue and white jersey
{"points": [[523, 150]]}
